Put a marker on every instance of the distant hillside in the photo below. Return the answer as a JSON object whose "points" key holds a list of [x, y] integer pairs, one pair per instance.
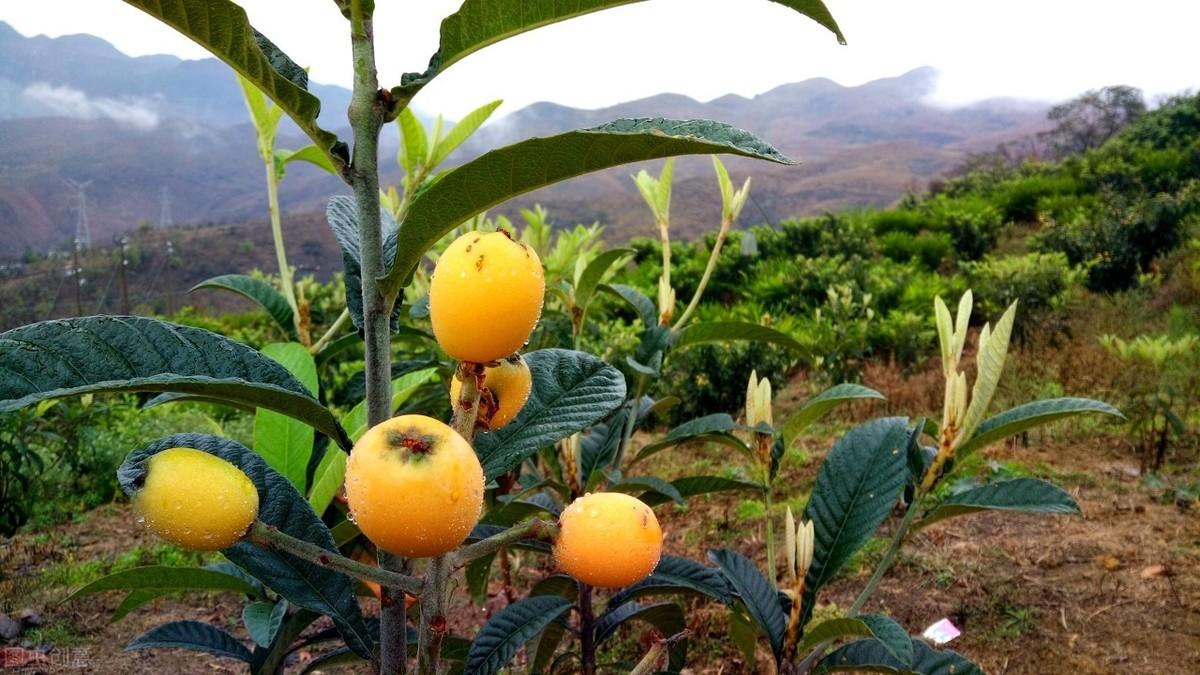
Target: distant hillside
{"points": [[74, 108]]}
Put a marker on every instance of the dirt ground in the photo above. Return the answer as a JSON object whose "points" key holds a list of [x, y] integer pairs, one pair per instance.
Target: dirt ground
{"points": [[1114, 591]]}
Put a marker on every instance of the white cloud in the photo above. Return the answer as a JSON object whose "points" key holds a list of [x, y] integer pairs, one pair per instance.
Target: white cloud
{"points": [[71, 102]]}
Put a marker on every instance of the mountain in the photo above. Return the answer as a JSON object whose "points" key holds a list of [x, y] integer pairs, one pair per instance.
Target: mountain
{"points": [[75, 109]]}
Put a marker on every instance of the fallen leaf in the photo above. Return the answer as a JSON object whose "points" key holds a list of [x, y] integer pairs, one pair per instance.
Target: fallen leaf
{"points": [[1155, 571], [1108, 563]]}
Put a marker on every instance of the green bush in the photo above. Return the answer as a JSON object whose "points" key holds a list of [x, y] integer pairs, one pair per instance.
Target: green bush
{"points": [[927, 249], [971, 222], [907, 337], [898, 220], [1018, 198], [1039, 281]]}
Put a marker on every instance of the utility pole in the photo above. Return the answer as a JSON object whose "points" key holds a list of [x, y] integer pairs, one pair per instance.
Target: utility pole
{"points": [[78, 273], [164, 214], [124, 263], [83, 231]]}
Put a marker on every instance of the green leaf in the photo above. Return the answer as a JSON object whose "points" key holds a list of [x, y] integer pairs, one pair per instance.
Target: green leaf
{"points": [[648, 484], [890, 634], [164, 577], [461, 131], [259, 291], [543, 648], [744, 633], [342, 215], [700, 485], [500, 175], [414, 145], [263, 619], [708, 425], [571, 391], [66, 357], [855, 491], [819, 405], [595, 271], [666, 617], [676, 575], [309, 153], [147, 583], [1018, 419], [285, 443], [193, 635], [327, 479], [403, 388], [480, 23], [872, 656], [990, 359], [761, 598], [641, 304], [221, 27], [304, 584], [511, 627], [728, 331], [599, 446], [1026, 495], [269, 659]]}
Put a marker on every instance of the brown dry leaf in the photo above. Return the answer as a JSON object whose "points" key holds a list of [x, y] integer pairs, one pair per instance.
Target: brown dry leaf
{"points": [[1108, 563]]}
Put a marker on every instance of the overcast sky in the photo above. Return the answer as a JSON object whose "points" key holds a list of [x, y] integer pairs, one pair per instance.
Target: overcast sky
{"points": [[1038, 49]]}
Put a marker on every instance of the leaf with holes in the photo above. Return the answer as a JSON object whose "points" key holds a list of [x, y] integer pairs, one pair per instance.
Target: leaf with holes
{"points": [[259, 291], [856, 488], [98, 354], [571, 391], [500, 638], [304, 584]]}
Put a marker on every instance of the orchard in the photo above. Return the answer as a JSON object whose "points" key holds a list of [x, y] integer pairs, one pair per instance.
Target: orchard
{"points": [[489, 497]]}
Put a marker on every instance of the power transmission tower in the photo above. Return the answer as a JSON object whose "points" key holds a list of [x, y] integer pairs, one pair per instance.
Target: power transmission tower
{"points": [[83, 231], [164, 215], [125, 309]]}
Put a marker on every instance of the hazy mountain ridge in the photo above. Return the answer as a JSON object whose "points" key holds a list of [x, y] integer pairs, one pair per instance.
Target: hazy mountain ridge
{"points": [[77, 108]]}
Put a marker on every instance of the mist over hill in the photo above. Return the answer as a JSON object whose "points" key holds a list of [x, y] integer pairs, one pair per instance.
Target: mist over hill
{"points": [[76, 109]]}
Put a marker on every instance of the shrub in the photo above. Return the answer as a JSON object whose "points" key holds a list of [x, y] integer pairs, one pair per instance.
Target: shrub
{"points": [[1039, 281], [898, 220], [971, 222], [927, 249], [1018, 198]]}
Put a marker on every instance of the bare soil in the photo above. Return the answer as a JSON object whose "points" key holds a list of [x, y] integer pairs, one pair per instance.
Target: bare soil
{"points": [[1114, 591]]}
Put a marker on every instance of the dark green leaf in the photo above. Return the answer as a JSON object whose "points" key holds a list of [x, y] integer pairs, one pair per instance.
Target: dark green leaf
{"points": [[513, 626], [66, 357], [479, 23], [822, 403], [259, 291], [729, 331], [342, 215], [304, 584], [268, 659], [221, 27], [1026, 495], [641, 304], [676, 575], [263, 619], [701, 485], [571, 391], [891, 635], [338, 657], [1029, 415], [648, 484], [543, 648], [599, 446], [872, 656], [856, 488], [193, 635], [666, 617], [761, 599], [508, 172], [716, 423]]}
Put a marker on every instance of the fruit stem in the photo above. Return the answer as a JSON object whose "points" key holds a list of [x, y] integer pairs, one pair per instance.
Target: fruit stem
{"points": [[433, 601], [269, 536], [530, 529], [587, 630], [466, 408]]}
